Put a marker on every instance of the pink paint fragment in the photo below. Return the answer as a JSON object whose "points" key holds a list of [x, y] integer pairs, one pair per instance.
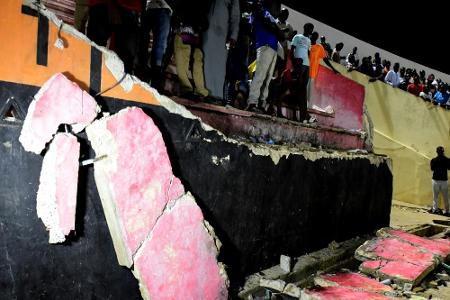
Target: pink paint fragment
{"points": [[178, 261], [355, 281], [437, 247], [57, 194], [398, 270], [337, 292], [138, 173], [59, 101]]}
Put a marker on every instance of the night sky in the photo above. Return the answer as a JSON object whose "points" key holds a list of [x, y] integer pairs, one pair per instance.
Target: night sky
{"points": [[421, 35]]}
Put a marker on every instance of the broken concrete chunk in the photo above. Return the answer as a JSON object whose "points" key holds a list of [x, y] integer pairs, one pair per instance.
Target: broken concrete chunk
{"points": [[292, 290], [57, 194], [285, 263], [394, 249], [59, 101], [277, 285], [352, 280], [337, 292], [437, 247], [396, 259], [399, 271], [172, 249], [178, 259], [135, 180]]}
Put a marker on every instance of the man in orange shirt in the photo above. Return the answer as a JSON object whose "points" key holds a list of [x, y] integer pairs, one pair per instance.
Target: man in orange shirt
{"points": [[316, 54]]}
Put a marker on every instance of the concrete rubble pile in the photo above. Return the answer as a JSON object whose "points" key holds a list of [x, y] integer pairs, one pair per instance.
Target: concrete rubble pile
{"points": [[157, 228], [393, 265], [401, 256]]}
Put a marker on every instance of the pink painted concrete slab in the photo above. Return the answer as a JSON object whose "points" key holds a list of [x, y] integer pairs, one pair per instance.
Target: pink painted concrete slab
{"points": [[338, 292], [394, 249], [57, 194], [59, 101], [400, 271], [138, 173], [178, 261], [355, 281], [437, 247], [344, 95]]}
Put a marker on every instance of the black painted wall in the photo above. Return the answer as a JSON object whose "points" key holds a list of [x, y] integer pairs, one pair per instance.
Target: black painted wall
{"points": [[259, 210]]}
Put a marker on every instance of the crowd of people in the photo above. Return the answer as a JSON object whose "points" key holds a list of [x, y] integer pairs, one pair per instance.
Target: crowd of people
{"points": [[419, 84], [214, 44]]}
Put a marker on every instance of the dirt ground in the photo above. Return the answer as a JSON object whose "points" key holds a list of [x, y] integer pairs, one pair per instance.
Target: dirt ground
{"points": [[405, 216]]}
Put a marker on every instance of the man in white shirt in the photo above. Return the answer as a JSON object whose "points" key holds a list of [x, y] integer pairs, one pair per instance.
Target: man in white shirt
{"points": [[300, 49], [392, 77]]}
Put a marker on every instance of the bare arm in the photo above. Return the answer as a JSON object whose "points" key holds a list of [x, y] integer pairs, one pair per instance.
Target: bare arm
{"points": [[327, 62]]}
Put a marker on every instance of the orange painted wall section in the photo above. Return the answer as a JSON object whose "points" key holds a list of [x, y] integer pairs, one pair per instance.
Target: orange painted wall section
{"points": [[18, 36]]}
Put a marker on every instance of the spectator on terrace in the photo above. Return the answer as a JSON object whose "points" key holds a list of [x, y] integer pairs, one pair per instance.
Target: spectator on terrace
{"points": [[236, 80], [440, 165], [430, 80], [301, 45], [326, 46], [81, 14], [156, 18], [266, 41], [286, 30], [401, 73], [386, 67], [291, 88], [191, 22], [336, 55], [317, 54], [441, 97], [393, 77], [221, 36], [366, 67], [422, 77], [352, 60], [377, 67], [416, 87], [428, 93], [404, 79], [120, 17]]}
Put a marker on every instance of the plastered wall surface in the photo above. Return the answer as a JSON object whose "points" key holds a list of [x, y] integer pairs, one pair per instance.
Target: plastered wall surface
{"points": [[408, 130]]}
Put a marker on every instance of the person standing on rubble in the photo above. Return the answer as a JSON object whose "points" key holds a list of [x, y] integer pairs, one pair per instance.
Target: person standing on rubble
{"points": [[440, 165]]}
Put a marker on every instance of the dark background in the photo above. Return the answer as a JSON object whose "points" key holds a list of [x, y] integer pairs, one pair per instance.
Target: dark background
{"points": [[417, 31]]}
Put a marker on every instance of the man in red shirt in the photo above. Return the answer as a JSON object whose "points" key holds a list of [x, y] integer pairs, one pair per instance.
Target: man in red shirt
{"points": [[415, 88], [120, 17]]}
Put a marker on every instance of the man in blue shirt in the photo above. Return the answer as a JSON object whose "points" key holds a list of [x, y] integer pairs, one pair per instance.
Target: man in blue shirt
{"points": [[266, 37], [441, 97]]}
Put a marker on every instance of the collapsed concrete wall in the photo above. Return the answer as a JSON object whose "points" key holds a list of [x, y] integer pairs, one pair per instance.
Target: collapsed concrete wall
{"points": [[262, 200]]}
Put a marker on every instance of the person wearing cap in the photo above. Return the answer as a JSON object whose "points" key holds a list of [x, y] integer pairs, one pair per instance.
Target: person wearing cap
{"points": [[440, 165]]}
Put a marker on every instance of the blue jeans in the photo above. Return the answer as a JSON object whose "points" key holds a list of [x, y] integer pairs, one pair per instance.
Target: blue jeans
{"points": [[158, 21]]}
